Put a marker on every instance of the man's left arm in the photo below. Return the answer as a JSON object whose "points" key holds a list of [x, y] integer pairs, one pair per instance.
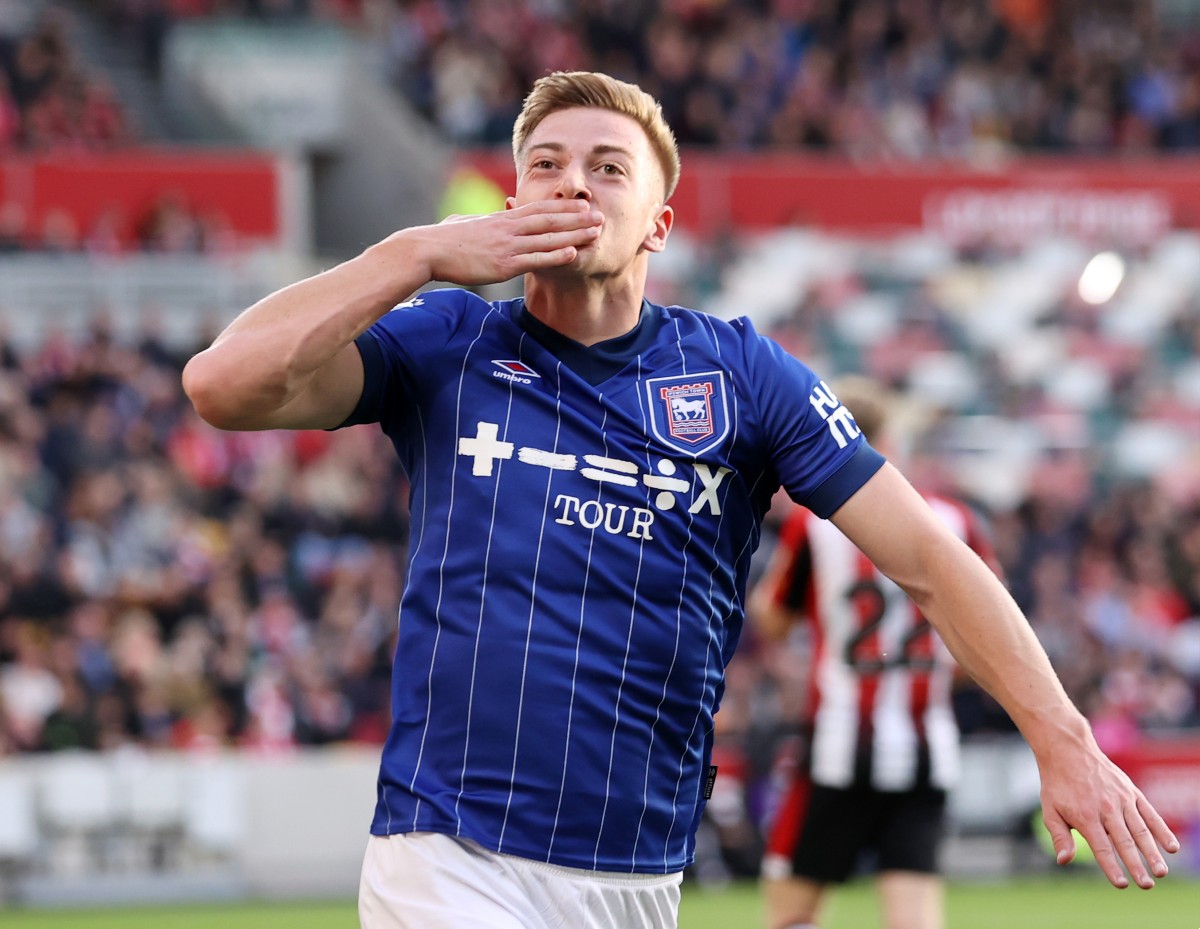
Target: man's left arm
{"points": [[769, 608], [986, 632]]}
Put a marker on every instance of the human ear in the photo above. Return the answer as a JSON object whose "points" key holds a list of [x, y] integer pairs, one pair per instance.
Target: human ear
{"points": [[656, 236]]}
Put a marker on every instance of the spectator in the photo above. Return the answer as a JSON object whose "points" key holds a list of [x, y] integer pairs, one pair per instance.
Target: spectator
{"points": [[159, 583], [31, 692], [907, 79], [10, 116], [887, 79], [169, 226], [47, 101]]}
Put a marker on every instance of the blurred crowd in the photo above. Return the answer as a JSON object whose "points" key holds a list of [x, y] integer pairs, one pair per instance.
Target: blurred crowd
{"points": [[872, 79], [49, 100], [1074, 429], [168, 225], [1109, 578], [167, 585]]}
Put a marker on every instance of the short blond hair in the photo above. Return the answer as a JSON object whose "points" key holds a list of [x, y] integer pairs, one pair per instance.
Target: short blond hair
{"points": [[870, 403], [563, 90]]}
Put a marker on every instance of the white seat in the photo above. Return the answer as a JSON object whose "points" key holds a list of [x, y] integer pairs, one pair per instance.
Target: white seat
{"points": [[77, 793], [149, 800], [215, 814], [149, 790], [77, 805], [18, 821]]}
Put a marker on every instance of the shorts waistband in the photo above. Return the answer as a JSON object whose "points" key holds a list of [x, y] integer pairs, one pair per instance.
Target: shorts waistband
{"points": [[632, 878]]}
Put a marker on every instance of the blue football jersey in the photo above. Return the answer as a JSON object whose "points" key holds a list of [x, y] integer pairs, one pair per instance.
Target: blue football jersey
{"points": [[582, 522]]}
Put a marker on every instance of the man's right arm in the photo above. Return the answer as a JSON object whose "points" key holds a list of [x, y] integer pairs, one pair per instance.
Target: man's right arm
{"points": [[289, 362]]}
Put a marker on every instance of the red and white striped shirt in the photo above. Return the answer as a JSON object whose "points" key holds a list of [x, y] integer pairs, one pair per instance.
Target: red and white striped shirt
{"points": [[881, 676]]}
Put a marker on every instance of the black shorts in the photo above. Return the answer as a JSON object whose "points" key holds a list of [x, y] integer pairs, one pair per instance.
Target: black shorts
{"points": [[903, 829]]}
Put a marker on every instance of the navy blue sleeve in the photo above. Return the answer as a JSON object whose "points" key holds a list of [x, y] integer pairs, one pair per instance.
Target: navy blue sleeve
{"points": [[812, 440], [374, 373], [845, 481], [395, 349]]}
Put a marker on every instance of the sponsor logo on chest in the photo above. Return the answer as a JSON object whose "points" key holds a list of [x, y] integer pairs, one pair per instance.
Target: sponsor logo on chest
{"points": [[668, 483]]}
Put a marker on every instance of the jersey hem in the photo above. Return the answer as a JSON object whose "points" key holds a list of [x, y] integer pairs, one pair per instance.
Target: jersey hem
{"points": [[598, 868]]}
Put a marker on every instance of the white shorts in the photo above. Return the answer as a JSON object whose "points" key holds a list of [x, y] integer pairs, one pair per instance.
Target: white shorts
{"points": [[422, 880]]}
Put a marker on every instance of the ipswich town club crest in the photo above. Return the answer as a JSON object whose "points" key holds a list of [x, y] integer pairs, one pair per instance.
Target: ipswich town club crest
{"points": [[689, 411]]}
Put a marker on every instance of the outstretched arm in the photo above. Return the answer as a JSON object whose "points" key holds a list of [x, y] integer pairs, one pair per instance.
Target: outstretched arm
{"points": [[986, 632], [769, 614], [288, 362]]}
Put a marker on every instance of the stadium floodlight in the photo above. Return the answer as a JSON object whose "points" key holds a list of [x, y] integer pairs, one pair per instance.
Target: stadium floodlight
{"points": [[1101, 278]]}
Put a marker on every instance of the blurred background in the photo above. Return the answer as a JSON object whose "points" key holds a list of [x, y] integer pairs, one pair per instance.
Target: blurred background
{"points": [[992, 205]]}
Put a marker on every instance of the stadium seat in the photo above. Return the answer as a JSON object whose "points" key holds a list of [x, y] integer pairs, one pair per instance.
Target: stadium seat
{"points": [[78, 808], [214, 809], [149, 793], [19, 838]]}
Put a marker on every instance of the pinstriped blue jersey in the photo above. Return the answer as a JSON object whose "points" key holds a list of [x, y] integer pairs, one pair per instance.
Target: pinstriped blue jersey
{"points": [[582, 521]]}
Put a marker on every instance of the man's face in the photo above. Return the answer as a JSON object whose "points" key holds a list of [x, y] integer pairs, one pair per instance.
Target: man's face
{"points": [[605, 158]]}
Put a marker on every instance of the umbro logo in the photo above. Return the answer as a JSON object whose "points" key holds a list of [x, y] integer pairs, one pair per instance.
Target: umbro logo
{"points": [[515, 371], [517, 367]]}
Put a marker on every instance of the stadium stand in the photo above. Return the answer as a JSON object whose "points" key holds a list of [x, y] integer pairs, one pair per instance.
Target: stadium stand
{"points": [[905, 79], [908, 80], [167, 586], [49, 99], [173, 586]]}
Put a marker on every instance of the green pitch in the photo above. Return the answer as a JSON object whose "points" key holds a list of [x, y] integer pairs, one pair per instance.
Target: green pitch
{"points": [[1083, 901], [1071, 902]]}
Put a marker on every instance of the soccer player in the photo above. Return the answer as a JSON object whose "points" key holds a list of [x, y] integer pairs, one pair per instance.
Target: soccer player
{"points": [[880, 739], [588, 475]]}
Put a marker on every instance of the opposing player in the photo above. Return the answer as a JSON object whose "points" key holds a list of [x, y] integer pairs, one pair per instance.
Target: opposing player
{"points": [[588, 473], [880, 739]]}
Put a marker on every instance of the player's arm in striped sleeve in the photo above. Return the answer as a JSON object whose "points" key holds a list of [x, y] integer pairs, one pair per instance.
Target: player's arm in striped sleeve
{"points": [[777, 599], [289, 361], [991, 639]]}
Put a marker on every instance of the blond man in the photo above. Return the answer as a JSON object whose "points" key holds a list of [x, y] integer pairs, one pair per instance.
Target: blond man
{"points": [[588, 474]]}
